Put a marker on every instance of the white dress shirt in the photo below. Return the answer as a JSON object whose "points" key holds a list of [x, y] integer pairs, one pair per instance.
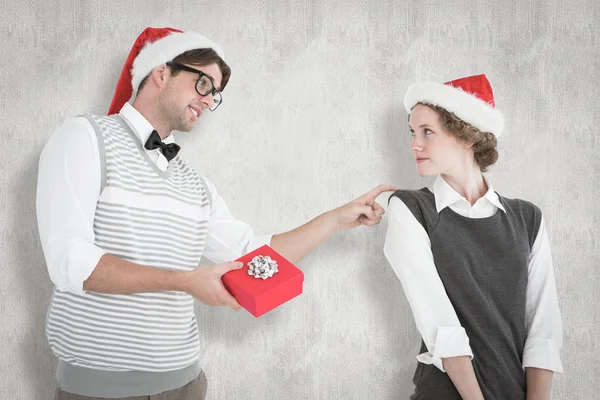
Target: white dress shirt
{"points": [[408, 250], [68, 188]]}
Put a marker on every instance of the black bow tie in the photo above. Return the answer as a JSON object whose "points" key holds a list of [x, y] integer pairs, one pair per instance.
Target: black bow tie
{"points": [[155, 142]]}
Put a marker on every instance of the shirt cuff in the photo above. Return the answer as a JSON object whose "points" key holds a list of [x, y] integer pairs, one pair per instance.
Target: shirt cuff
{"points": [[80, 264], [257, 242], [450, 341], [542, 353]]}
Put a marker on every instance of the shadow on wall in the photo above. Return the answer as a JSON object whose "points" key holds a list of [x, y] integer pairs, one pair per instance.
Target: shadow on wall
{"points": [[389, 304], [27, 255], [393, 330], [28, 259]]}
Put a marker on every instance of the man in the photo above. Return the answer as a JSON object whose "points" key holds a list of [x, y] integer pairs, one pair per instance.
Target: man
{"points": [[124, 222]]}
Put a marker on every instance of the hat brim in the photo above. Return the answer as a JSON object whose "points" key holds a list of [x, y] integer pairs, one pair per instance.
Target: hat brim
{"points": [[464, 105]]}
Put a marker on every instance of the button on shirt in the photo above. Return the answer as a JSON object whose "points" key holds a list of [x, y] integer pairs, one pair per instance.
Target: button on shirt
{"points": [[68, 188], [408, 250]]}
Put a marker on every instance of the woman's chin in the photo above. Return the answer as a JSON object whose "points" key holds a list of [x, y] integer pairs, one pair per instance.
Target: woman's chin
{"points": [[423, 172]]}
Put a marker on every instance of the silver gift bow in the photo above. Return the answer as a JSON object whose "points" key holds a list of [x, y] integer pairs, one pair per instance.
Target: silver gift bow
{"points": [[262, 267]]}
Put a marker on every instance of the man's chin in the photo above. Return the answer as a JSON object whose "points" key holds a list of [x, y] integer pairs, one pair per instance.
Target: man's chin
{"points": [[185, 127]]}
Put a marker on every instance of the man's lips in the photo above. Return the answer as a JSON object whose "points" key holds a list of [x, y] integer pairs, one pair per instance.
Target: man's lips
{"points": [[196, 111]]}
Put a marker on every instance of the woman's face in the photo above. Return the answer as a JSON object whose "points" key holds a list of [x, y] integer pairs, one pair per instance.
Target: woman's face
{"points": [[436, 150]]}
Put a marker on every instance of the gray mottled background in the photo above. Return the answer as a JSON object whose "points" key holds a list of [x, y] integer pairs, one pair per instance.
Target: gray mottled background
{"points": [[312, 118]]}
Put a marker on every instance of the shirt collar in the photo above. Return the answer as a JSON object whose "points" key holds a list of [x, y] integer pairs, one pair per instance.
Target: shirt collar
{"points": [[139, 124], [446, 196]]}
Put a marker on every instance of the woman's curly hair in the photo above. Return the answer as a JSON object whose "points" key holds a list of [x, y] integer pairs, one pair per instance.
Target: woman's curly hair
{"points": [[484, 143]]}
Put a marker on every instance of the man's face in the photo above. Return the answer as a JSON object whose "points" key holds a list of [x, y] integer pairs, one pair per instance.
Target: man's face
{"points": [[179, 101]]}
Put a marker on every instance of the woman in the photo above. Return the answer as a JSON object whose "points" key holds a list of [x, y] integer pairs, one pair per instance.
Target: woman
{"points": [[475, 266]]}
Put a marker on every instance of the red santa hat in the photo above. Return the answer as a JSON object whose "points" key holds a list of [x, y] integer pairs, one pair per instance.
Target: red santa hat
{"points": [[153, 47], [470, 99]]}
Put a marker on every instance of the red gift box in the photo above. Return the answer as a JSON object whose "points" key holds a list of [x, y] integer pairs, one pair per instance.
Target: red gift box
{"points": [[258, 295]]}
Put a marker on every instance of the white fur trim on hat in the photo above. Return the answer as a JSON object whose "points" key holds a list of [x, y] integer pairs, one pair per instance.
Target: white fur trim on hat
{"points": [[464, 105], [166, 49]]}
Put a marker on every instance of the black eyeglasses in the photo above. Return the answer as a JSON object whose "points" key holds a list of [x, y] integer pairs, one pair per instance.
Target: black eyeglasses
{"points": [[204, 85]]}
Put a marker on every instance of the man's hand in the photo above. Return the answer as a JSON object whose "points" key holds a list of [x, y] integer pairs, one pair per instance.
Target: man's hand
{"points": [[205, 284], [361, 211]]}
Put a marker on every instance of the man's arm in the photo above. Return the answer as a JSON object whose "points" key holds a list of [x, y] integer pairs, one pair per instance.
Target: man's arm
{"points": [[67, 193], [116, 276], [68, 187], [297, 243]]}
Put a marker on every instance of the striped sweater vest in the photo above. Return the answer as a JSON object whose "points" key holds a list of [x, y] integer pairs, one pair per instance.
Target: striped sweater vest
{"points": [[148, 217]]}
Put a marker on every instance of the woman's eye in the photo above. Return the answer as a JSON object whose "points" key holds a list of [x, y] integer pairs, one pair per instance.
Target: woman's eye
{"points": [[428, 131]]}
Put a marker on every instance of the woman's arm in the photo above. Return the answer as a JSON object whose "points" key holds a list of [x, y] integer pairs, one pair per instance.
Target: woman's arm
{"points": [[544, 325], [408, 250]]}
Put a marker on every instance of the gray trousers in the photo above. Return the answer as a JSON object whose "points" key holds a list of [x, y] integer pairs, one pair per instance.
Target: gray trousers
{"points": [[195, 390]]}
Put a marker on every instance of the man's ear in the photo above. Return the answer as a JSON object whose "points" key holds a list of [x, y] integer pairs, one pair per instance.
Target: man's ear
{"points": [[160, 75]]}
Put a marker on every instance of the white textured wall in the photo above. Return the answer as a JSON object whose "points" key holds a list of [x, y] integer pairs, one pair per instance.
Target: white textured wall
{"points": [[312, 118]]}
